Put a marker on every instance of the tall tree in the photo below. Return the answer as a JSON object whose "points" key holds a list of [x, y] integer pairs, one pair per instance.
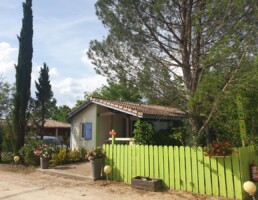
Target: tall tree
{"points": [[60, 113], [186, 39], [44, 98], [23, 74], [6, 92]]}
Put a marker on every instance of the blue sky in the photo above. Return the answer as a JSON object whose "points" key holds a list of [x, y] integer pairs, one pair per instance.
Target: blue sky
{"points": [[63, 30]]}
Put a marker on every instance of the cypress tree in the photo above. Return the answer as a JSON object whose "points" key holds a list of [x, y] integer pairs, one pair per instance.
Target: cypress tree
{"points": [[23, 75], [44, 98]]}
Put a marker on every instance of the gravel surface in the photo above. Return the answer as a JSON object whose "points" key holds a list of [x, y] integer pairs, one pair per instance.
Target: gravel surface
{"points": [[23, 183]]}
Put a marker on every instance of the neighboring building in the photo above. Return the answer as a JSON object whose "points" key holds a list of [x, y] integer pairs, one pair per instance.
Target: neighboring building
{"points": [[56, 128], [92, 121]]}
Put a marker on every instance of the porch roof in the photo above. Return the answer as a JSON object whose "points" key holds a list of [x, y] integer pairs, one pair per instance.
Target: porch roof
{"points": [[140, 110]]}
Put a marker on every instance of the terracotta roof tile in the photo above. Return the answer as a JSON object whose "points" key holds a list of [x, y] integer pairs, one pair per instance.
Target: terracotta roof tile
{"points": [[140, 108], [50, 123]]}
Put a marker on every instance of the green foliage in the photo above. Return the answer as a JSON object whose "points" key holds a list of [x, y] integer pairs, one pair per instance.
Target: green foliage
{"points": [[6, 91], [64, 156], [164, 137], [189, 62], [44, 102], [95, 154], [23, 75], [6, 157], [218, 149], [144, 132], [8, 144], [60, 113], [26, 152]]}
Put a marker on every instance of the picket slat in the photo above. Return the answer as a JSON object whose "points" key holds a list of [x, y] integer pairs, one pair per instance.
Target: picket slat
{"points": [[221, 176], [214, 177], [229, 178], [138, 160], [152, 161], [119, 170], [115, 163], [188, 163], [134, 161], [129, 164], [161, 164], [142, 171], [207, 172], [171, 168], [156, 163], [166, 167], [200, 170], [237, 176], [177, 168], [194, 170], [125, 157], [182, 168]]}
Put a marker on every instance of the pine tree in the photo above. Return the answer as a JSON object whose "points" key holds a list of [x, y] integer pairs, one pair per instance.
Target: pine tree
{"points": [[44, 98], [23, 74]]}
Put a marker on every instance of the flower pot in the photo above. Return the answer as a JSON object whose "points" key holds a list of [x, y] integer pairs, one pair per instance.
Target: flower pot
{"points": [[44, 162], [146, 183], [219, 156], [96, 168]]}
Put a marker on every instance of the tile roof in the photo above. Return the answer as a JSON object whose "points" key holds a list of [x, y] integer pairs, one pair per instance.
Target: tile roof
{"points": [[137, 109], [50, 123]]}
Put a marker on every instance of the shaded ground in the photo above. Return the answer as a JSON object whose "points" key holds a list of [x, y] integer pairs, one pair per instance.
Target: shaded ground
{"points": [[20, 183]]}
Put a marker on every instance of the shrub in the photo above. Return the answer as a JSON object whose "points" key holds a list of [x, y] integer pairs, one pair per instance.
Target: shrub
{"points": [[167, 137], [7, 157], [218, 149], [26, 152], [143, 132], [95, 154], [64, 156]]}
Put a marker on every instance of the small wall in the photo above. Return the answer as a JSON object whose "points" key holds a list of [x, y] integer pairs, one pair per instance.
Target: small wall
{"points": [[183, 168]]}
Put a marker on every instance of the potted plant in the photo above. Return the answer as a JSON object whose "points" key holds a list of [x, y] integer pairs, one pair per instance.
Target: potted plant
{"points": [[45, 152], [96, 158], [218, 149]]}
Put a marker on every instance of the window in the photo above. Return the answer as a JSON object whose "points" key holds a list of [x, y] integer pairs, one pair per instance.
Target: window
{"points": [[86, 130]]}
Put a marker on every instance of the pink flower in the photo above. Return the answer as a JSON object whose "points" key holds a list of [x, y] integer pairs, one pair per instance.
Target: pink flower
{"points": [[36, 152]]}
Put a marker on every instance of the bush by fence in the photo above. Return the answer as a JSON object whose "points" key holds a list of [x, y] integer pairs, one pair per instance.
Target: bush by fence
{"points": [[183, 168]]}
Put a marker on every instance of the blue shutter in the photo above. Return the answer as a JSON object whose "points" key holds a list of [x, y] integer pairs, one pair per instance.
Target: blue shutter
{"points": [[88, 131]]}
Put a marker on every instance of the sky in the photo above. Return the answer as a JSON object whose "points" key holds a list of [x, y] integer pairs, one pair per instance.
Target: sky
{"points": [[63, 30]]}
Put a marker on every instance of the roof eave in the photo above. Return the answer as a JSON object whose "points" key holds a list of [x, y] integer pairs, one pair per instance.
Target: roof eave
{"points": [[81, 108], [161, 117]]}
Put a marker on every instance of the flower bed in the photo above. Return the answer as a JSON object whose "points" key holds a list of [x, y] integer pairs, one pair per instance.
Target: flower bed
{"points": [[218, 149]]}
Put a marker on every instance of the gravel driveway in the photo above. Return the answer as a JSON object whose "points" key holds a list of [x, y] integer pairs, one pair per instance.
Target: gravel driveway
{"points": [[20, 183]]}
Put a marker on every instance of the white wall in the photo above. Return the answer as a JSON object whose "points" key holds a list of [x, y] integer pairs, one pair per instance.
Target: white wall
{"points": [[87, 115]]}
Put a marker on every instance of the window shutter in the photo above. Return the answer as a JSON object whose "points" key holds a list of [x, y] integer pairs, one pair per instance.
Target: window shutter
{"points": [[88, 131]]}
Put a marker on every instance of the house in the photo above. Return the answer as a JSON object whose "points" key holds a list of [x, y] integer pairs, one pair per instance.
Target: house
{"points": [[55, 128], [92, 121]]}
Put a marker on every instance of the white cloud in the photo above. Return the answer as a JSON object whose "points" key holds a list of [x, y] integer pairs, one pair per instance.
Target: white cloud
{"points": [[8, 57], [68, 90], [53, 72], [85, 60]]}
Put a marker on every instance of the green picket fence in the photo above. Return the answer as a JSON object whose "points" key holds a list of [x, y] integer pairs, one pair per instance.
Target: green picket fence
{"points": [[182, 168]]}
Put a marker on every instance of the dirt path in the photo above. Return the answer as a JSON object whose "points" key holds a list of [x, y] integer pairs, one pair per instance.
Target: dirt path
{"points": [[28, 184]]}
